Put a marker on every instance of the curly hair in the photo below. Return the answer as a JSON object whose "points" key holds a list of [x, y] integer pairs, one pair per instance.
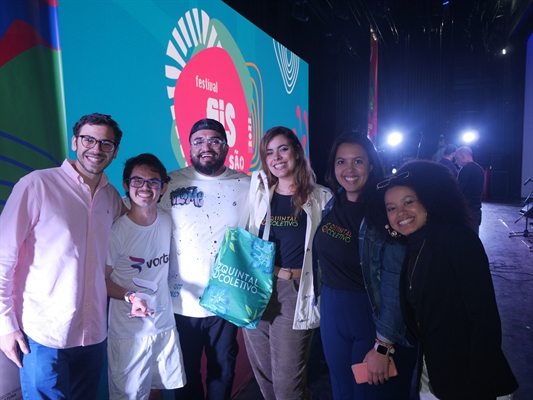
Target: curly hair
{"points": [[304, 177], [98, 119], [436, 189]]}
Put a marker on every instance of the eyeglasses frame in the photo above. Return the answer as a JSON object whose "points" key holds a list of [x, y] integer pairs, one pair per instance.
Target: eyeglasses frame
{"points": [[145, 181], [386, 182], [98, 141], [209, 142]]}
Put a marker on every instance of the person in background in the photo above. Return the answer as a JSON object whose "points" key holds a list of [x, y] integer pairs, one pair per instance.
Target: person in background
{"points": [[360, 311], [203, 200], [53, 302], [471, 179], [440, 149], [279, 348], [447, 295], [447, 159], [144, 354]]}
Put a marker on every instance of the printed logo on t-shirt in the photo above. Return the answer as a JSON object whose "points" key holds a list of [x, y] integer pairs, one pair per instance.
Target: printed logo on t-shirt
{"points": [[156, 262], [138, 263], [175, 289], [185, 195], [337, 232], [282, 220]]}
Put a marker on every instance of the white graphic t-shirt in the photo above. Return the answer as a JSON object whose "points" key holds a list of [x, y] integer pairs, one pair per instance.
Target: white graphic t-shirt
{"points": [[201, 207], [139, 256]]}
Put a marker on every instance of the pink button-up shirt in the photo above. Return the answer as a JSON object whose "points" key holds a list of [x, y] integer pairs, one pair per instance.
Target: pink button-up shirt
{"points": [[53, 246]]}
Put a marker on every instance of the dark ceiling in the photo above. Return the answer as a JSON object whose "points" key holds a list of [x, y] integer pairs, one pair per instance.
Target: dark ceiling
{"points": [[441, 68], [342, 25]]}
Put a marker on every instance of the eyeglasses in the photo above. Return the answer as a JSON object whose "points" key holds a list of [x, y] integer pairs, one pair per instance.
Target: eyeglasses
{"points": [[137, 182], [386, 182], [105, 145], [214, 143]]}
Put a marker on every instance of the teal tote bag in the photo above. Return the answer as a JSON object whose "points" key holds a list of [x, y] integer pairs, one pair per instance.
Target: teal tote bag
{"points": [[241, 282]]}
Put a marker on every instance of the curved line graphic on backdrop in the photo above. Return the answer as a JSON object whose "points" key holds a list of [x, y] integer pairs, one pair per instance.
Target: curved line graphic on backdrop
{"points": [[189, 33], [31, 147], [257, 112], [289, 65], [16, 163]]}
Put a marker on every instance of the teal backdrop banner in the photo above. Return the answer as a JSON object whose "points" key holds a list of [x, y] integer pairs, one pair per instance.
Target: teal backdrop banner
{"points": [[159, 66]]}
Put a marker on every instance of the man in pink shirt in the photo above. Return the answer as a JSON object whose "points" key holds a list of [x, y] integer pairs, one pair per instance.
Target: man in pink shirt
{"points": [[54, 231]]}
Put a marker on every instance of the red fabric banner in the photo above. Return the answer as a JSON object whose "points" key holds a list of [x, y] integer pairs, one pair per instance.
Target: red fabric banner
{"points": [[373, 92]]}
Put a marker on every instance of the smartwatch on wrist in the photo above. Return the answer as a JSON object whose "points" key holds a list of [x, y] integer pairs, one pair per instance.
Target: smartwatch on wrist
{"points": [[127, 296], [381, 349]]}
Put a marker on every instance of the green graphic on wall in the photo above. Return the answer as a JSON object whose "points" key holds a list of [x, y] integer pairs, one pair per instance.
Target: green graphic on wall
{"points": [[32, 110]]}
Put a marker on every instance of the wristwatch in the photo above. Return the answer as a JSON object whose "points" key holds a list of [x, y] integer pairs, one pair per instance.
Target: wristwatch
{"points": [[127, 297], [381, 349]]}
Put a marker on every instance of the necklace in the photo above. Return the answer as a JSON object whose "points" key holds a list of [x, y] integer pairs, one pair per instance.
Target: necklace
{"points": [[285, 192], [414, 267]]}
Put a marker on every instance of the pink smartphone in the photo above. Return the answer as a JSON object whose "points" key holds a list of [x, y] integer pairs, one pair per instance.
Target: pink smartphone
{"points": [[360, 371]]}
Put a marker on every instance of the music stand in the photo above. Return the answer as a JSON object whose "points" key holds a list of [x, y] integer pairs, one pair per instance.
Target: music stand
{"points": [[528, 214]]}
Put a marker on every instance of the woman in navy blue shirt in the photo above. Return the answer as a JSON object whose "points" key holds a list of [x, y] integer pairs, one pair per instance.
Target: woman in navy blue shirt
{"points": [[359, 268]]}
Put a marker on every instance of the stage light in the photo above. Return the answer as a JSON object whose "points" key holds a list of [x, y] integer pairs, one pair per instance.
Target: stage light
{"points": [[394, 139], [470, 136], [504, 51]]}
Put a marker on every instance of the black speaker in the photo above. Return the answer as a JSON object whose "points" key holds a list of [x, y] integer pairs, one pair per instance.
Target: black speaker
{"points": [[499, 185]]}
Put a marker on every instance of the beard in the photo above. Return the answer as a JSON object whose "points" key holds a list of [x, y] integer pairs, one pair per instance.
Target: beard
{"points": [[210, 168]]}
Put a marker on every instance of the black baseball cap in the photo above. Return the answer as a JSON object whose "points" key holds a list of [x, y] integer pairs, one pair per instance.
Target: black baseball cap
{"points": [[211, 124]]}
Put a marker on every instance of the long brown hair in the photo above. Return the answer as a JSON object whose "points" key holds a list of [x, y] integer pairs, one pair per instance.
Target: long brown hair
{"points": [[304, 177]]}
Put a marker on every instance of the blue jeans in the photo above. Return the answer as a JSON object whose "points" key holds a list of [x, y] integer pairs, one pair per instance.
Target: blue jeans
{"points": [[73, 373], [348, 332], [218, 338]]}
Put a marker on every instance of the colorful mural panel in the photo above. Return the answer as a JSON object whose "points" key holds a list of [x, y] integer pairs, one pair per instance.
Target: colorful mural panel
{"points": [[158, 66]]}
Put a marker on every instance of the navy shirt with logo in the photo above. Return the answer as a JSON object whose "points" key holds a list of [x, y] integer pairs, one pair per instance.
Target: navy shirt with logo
{"points": [[287, 232], [337, 246]]}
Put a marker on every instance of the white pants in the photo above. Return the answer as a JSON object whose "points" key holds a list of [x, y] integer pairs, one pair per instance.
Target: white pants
{"points": [[138, 365], [425, 393]]}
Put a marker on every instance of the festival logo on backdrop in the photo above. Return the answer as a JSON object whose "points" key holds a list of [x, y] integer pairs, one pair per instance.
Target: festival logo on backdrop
{"points": [[211, 81], [208, 77], [209, 87]]}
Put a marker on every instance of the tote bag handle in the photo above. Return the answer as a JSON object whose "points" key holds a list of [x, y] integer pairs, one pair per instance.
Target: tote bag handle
{"points": [[258, 177]]}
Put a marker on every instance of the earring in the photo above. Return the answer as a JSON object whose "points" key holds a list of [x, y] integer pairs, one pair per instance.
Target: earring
{"points": [[392, 232]]}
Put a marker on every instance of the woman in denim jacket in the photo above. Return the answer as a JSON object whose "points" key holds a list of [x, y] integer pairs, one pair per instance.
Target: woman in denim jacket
{"points": [[446, 291], [361, 319]]}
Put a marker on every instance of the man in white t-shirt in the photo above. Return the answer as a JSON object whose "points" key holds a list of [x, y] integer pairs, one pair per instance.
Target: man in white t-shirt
{"points": [[203, 199], [144, 352]]}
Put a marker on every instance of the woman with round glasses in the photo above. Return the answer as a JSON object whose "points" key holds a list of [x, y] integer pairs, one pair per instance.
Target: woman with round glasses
{"points": [[279, 348], [447, 296], [360, 312]]}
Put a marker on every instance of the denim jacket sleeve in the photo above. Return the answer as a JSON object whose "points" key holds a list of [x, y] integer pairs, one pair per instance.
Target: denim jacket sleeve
{"points": [[381, 264]]}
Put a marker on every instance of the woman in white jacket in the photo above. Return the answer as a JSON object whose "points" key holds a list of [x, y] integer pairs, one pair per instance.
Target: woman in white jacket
{"points": [[279, 348]]}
